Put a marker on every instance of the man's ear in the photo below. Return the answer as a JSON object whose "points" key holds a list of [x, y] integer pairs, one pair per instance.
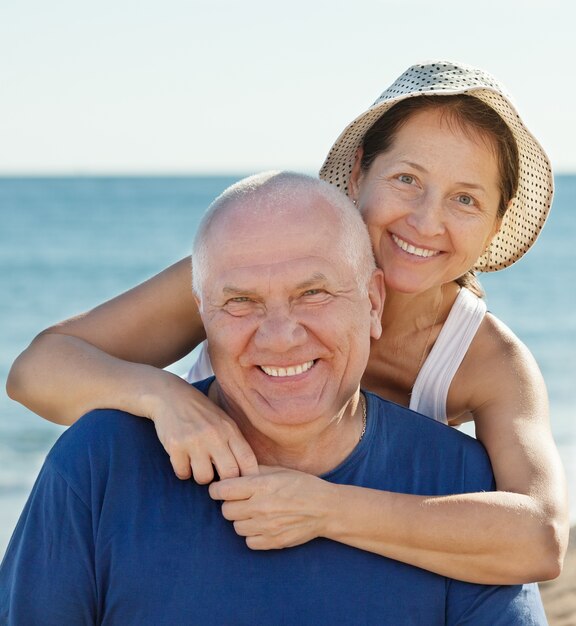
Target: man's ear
{"points": [[355, 176], [377, 295]]}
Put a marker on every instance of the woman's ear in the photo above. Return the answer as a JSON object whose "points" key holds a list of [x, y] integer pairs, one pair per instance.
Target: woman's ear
{"points": [[495, 228], [355, 177]]}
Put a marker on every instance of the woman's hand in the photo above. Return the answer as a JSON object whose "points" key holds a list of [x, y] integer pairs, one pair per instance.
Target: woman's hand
{"points": [[111, 357], [280, 508], [197, 435], [70, 377]]}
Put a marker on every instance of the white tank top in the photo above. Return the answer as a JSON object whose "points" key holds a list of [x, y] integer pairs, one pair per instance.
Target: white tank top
{"points": [[430, 390], [201, 368]]}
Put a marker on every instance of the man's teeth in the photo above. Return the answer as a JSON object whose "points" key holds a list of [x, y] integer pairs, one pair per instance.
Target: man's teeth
{"points": [[293, 370], [412, 249]]}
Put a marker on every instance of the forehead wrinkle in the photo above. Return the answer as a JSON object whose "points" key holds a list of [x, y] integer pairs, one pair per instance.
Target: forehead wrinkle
{"points": [[317, 277]]}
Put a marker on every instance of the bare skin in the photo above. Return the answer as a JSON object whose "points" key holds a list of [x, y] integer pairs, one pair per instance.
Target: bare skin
{"points": [[109, 357], [100, 360], [517, 534]]}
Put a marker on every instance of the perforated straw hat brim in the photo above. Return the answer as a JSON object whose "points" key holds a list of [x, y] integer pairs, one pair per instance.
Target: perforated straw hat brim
{"points": [[527, 213]]}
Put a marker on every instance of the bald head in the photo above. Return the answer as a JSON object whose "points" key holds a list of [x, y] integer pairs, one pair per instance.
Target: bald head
{"points": [[266, 202]]}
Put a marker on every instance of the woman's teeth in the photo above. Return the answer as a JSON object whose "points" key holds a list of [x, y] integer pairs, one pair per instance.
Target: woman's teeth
{"points": [[422, 252]]}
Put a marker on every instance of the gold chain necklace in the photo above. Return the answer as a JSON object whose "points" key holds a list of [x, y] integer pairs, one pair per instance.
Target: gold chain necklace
{"points": [[363, 403]]}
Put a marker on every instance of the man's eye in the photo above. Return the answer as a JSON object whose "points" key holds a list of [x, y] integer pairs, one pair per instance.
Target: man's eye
{"points": [[315, 296], [239, 306], [406, 179]]}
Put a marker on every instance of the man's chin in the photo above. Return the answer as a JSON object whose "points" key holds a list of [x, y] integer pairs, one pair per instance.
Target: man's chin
{"points": [[288, 411]]}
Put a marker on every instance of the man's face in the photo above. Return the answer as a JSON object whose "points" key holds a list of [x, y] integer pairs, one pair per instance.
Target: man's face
{"points": [[288, 329]]}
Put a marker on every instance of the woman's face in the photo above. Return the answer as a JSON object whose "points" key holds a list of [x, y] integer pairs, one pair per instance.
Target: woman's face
{"points": [[430, 202]]}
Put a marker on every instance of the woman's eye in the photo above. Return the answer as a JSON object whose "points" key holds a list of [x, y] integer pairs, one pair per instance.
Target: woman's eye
{"points": [[466, 199], [406, 179]]}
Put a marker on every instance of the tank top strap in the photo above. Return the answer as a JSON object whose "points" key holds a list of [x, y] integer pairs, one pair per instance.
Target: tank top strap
{"points": [[430, 390], [202, 367]]}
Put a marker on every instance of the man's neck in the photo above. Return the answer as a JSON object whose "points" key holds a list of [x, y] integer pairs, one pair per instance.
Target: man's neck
{"points": [[313, 448]]}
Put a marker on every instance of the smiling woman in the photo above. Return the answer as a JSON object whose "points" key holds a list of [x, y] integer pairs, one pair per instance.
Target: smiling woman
{"points": [[477, 137], [442, 195], [433, 196]]}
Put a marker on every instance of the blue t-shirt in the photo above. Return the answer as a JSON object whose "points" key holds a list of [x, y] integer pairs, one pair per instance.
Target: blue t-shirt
{"points": [[109, 535]]}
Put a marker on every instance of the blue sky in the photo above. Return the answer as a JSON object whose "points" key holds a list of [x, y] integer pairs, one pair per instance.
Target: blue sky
{"points": [[122, 86]]}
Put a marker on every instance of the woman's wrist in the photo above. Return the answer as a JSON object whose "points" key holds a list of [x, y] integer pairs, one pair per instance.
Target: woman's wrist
{"points": [[156, 390], [332, 509]]}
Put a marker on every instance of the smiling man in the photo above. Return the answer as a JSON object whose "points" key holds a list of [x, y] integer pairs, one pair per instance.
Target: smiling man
{"points": [[290, 299], [289, 303]]}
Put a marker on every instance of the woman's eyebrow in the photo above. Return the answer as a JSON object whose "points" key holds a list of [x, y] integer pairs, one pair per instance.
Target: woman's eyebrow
{"points": [[467, 184], [474, 186]]}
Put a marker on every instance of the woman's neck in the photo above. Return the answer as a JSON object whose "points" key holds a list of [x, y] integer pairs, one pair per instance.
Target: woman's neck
{"points": [[408, 312], [410, 326]]}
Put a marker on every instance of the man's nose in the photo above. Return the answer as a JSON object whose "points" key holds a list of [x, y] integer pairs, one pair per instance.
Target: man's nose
{"points": [[279, 332], [427, 215]]}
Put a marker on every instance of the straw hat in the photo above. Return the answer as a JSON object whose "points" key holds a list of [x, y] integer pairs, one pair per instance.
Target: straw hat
{"points": [[527, 213]]}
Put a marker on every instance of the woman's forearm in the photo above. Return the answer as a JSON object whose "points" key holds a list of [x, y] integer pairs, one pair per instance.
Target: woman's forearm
{"points": [[491, 538], [92, 360], [62, 377], [487, 538]]}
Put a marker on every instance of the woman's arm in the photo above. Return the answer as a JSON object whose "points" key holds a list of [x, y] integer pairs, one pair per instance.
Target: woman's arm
{"points": [[75, 366], [515, 535], [110, 357]]}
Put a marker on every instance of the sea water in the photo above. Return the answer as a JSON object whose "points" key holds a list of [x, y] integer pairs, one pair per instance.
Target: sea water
{"points": [[67, 244]]}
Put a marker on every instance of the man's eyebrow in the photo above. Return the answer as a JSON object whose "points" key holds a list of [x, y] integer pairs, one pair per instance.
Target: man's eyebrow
{"points": [[317, 277], [228, 290]]}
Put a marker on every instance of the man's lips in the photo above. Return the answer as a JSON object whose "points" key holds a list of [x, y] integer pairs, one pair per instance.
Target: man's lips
{"points": [[291, 370]]}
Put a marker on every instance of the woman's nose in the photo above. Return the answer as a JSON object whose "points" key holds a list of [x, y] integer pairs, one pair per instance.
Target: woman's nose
{"points": [[427, 215]]}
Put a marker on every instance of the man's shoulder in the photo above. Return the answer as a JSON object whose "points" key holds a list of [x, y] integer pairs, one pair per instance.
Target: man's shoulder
{"points": [[99, 438], [410, 420], [426, 438], [104, 426]]}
